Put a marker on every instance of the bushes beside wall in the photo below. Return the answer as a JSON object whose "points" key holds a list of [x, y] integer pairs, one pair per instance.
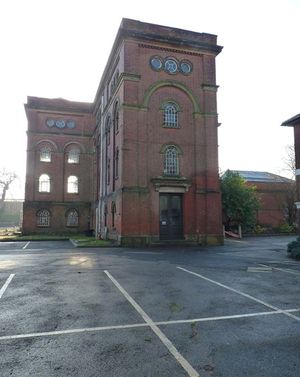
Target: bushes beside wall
{"points": [[293, 249]]}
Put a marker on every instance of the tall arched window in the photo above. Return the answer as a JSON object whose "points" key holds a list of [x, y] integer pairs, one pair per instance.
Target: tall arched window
{"points": [[73, 155], [105, 214], [72, 217], [43, 218], [171, 115], [113, 212], [116, 117], [117, 163], [107, 130], [171, 161], [45, 154], [44, 183], [72, 187]]}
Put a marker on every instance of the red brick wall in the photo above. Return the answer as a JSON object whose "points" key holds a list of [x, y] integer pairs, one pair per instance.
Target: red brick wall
{"points": [[272, 197], [141, 138], [58, 201]]}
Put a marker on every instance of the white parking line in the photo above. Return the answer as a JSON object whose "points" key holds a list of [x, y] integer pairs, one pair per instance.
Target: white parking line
{"points": [[285, 312], [182, 361], [3, 289], [224, 317], [71, 331], [24, 247], [288, 271], [136, 325]]}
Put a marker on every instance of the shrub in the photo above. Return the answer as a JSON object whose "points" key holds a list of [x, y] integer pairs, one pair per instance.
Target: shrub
{"points": [[295, 253], [292, 245], [293, 248], [258, 229], [286, 228]]}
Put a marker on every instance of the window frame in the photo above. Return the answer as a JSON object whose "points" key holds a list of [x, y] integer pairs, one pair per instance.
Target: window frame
{"points": [[68, 213], [75, 151], [41, 217], [45, 184], [171, 161], [75, 185], [170, 115], [42, 153]]}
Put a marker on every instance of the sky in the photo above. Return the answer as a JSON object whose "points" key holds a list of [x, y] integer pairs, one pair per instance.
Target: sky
{"points": [[59, 48]]}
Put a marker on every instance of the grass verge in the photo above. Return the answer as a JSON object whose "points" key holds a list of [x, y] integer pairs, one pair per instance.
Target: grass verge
{"points": [[78, 240]]}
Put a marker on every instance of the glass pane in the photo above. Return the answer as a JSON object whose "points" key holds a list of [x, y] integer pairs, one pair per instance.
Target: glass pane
{"points": [[45, 155], [73, 156]]}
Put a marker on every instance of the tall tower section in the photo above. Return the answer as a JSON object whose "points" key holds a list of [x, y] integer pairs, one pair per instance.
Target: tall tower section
{"points": [[156, 138]]}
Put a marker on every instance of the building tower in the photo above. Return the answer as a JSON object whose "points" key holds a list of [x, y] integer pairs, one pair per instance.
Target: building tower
{"points": [[154, 127]]}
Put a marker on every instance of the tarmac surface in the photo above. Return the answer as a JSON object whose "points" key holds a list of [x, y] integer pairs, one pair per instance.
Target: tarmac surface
{"points": [[227, 311]]}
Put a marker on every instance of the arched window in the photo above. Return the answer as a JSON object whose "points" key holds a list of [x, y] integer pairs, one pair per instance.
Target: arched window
{"points": [[107, 130], [171, 115], [72, 218], [117, 163], [72, 187], [44, 183], [113, 212], [105, 215], [116, 117], [73, 155], [45, 154], [171, 161], [43, 218], [108, 172]]}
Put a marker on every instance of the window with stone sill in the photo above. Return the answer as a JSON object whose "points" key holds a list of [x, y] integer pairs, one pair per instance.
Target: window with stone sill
{"points": [[170, 115], [44, 183], [171, 161], [72, 218], [45, 154], [73, 156], [72, 184]]}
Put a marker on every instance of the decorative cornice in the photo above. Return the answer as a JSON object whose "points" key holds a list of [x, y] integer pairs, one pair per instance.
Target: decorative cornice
{"points": [[210, 87], [172, 50], [170, 182]]}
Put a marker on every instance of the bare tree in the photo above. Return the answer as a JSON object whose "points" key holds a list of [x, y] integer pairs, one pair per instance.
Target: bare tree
{"points": [[6, 178], [290, 161], [289, 207]]}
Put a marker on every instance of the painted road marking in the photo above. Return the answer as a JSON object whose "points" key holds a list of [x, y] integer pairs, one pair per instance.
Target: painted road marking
{"points": [[224, 317], [136, 325], [3, 289], [288, 271], [72, 331], [24, 247], [285, 312], [168, 344], [259, 269]]}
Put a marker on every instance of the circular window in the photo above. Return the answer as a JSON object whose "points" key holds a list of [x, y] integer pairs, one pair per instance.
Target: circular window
{"points": [[50, 122], [71, 124], [60, 123], [171, 66], [186, 67], [156, 63]]}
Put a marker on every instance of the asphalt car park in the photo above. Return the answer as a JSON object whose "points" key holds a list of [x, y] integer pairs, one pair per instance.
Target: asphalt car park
{"points": [[228, 311]]}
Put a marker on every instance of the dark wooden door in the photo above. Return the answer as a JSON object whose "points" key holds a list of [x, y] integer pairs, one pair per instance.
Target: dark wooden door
{"points": [[170, 216]]}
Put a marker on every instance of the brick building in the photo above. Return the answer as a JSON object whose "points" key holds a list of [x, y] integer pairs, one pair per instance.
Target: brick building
{"points": [[60, 171], [144, 154], [274, 192]]}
